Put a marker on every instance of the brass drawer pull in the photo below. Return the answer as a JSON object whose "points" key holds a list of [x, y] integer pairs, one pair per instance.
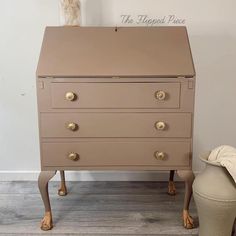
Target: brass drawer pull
{"points": [[70, 96], [160, 95], [72, 126], [160, 155], [73, 156], [160, 125]]}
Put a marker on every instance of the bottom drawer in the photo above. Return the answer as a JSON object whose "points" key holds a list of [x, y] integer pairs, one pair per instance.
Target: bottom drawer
{"points": [[111, 153]]}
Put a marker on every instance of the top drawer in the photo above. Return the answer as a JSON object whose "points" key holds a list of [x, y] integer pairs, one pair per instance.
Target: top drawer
{"points": [[115, 95]]}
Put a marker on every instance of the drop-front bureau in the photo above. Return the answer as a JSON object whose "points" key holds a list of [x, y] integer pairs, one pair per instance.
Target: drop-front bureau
{"points": [[115, 99]]}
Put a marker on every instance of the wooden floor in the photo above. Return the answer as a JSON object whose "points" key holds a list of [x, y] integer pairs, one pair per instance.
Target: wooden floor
{"points": [[94, 208]]}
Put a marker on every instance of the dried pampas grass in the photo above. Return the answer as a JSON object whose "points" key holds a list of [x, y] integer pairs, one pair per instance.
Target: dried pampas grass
{"points": [[70, 12]]}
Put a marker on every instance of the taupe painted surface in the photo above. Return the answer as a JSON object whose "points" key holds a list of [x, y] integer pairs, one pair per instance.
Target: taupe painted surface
{"points": [[94, 208], [116, 124], [101, 51], [115, 107], [125, 153], [115, 95], [185, 97]]}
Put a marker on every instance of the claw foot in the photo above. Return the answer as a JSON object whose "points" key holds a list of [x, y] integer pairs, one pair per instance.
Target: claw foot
{"points": [[46, 223], [62, 191], [171, 188], [187, 220]]}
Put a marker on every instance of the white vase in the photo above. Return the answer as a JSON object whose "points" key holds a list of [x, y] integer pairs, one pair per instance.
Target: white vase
{"points": [[214, 193]]}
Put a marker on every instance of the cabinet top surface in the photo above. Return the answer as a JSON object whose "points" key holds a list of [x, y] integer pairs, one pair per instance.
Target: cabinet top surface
{"points": [[105, 52]]}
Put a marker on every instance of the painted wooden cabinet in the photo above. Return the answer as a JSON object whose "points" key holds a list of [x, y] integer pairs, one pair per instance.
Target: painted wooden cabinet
{"points": [[115, 99]]}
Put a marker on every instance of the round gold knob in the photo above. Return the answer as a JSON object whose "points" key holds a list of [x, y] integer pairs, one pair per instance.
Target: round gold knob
{"points": [[160, 155], [160, 125], [73, 156], [70, 96], [72, 126], [160, 95]]}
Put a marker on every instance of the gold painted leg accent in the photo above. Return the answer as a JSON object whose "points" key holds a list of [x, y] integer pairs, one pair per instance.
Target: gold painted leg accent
{"points": [[187, 220], [44, 177], [188, 177], [171, 184], [62, 191], [171, 188], [46, 223]]}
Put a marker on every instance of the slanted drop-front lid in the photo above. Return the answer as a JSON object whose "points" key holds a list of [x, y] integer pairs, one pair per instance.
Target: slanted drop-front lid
{"points": [[105, 52]]}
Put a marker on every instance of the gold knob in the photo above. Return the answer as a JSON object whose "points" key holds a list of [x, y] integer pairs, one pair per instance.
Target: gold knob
{"points": [[72, 126], [160, 95], [70, 96], [160, 155], [160, 125], [73, 156]]}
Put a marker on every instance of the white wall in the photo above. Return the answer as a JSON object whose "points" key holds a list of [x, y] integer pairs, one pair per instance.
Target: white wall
{"points": [[212, 31]]}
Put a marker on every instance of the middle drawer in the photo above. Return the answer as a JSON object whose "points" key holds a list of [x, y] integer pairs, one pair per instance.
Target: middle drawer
{"points": [[115, 125]]}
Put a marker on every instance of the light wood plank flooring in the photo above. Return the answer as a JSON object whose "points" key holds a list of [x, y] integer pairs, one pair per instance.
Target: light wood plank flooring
{"points": [[95, 208]]}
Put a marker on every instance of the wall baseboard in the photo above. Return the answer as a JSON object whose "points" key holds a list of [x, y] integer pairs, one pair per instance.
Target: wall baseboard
{"points": [[91, 176]]}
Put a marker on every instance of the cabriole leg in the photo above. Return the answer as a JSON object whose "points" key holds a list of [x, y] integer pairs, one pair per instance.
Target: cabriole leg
{"points": [[62, 191], [44, 177], [188, 177], [171, 184]]}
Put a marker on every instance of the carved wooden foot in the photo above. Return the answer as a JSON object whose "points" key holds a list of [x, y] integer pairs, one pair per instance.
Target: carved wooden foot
{"points": [[62, 191], [171, 184], [188, 177], [46, 223], [44, 177], [187, 220], [171, 188]]}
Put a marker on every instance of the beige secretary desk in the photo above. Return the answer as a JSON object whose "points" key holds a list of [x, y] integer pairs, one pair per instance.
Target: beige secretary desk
{"points": [[115, 99]]}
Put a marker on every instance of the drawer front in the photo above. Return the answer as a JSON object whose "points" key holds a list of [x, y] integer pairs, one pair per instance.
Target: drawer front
{"points": [[115, 95], [127, 153], [116, 125]]}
